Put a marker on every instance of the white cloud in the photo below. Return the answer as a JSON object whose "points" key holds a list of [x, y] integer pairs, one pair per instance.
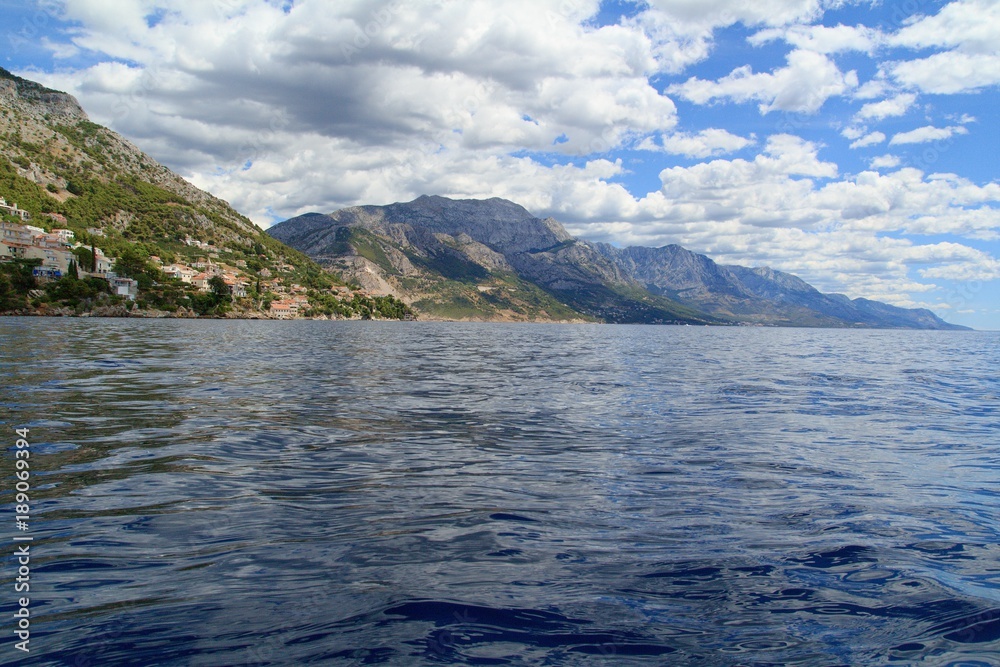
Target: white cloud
{"points": [[787, 208], [972, 25], [868, 140], [822, 39], [417, 70], [871, 89], [895, 106], [950, 72], [722, 13], [683, 31], [970, 31], [809, 80], [707, 143], [885, 162], [925, 134]]}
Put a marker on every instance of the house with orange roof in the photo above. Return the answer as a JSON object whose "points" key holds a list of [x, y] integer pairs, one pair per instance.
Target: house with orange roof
{"points": [[284, 309], [201, 281]]}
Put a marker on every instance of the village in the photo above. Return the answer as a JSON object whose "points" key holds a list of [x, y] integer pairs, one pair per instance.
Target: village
{"points": [[57, 252]]}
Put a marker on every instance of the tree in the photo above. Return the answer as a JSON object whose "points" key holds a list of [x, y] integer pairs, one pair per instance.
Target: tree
{"points": [[220, 290], [132, 262], [85, 258]]}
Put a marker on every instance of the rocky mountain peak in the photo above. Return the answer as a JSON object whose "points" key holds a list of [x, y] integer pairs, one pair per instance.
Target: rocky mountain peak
{"points": [[26, 95], [499, 224]]}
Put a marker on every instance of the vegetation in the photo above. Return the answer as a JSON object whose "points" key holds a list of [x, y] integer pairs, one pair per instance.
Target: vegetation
{"points": [[67, 171], [365, 307], [16, 281]]}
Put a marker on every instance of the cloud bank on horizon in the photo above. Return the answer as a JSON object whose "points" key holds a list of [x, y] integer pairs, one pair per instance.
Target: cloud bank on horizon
{"points": [[851, 142]]}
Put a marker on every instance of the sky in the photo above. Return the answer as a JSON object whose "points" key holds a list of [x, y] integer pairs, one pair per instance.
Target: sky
{"points": [[853, 143]]}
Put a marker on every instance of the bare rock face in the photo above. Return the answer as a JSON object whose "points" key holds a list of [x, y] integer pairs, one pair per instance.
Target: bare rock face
{"points": [[33, 98], [479, 253], [498, 224], [366, 274]]}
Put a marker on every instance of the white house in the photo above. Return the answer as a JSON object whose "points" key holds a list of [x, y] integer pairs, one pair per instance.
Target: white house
{"points": [[12, 209], [126, 287]]}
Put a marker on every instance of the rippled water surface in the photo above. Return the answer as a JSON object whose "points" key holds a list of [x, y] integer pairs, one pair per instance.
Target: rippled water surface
{"points": [[293, 493]]}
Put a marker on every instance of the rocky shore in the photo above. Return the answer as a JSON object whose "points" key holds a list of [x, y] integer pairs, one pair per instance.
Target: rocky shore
{"points": [[134, 311]]}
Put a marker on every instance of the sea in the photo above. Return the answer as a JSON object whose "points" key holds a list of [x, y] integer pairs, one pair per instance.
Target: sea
{"points": [[418, 493]]}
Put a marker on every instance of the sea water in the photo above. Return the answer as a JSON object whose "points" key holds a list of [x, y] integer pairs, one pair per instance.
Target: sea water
{"points": [[387, 493]]}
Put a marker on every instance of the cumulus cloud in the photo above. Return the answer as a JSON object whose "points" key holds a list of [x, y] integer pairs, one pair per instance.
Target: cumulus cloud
{"points": [[885, 162], [809, 80], [722, 13], [950, 72], [822, 39], [707, 143], [363, 73], [970, 31], [868, 140], [894, 106], [922, 135], [972, 25], [791, 207]]}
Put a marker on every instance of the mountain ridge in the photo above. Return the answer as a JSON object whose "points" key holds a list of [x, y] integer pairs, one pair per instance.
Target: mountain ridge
{"points": [[596, 280]]}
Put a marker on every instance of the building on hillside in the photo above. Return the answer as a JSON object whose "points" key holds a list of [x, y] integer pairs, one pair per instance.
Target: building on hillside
{"points": [[16, 239], [103, 264], [237, 287], [284, 309], [57, 218], [54, 241], [201, 281], [12, 209], [53, 259], [183, 273], [66, 235], [126, 287]]}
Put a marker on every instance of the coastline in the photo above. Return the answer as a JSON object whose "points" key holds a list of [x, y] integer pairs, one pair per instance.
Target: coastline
{"points": [[121, 312]]}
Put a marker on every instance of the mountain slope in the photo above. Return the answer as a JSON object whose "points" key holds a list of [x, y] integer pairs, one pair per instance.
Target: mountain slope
{"points": [[422, 249], [67, 172], [477, 259], [757, 295]]}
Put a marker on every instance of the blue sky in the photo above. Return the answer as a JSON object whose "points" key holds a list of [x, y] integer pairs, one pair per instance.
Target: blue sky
{"points": [[850, 143]]}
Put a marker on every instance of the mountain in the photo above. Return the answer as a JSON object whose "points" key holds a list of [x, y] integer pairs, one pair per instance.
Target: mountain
{"points": [[757, 295], [491, 259], [114, 201], [477, 259]]}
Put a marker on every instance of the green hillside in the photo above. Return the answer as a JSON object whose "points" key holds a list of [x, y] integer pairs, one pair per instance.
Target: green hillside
{"points": [[67, 172]]}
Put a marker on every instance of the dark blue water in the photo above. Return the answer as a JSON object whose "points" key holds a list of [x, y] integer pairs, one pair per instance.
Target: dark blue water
{"points": [[296, 493]]}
